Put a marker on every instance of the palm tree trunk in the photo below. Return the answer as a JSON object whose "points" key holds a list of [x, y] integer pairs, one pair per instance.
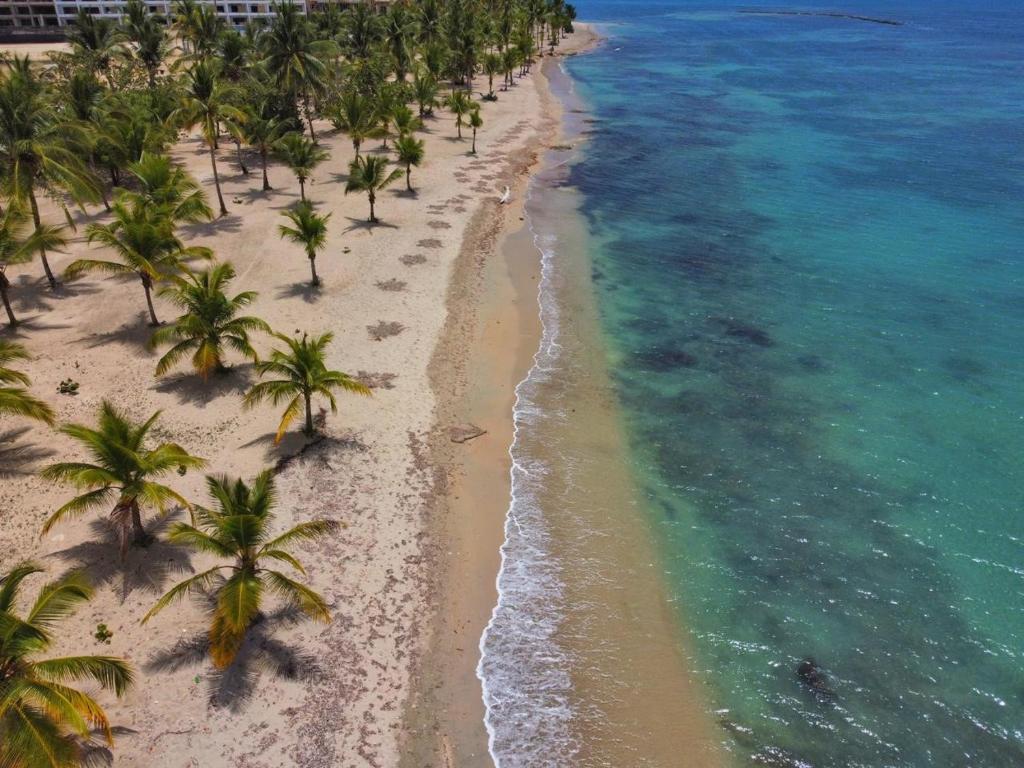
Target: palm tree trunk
{"points": [[216, 182], [308, 111], [458, 126], [266, 181], [5, 285], [473, 150], [147, 285], [373, 199], [238, 154], [302, 188], [408, 176], [138, 532], [312, 269], [309, 414], [42, 250]]}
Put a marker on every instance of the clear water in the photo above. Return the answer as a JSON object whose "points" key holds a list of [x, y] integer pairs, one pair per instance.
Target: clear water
{"points": [[811, 283]]}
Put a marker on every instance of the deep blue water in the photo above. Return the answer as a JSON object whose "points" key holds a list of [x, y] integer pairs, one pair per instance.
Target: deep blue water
{"points": [[810, 269]]}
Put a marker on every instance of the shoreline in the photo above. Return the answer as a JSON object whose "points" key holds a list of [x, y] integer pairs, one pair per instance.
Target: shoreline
{"points": [[492, 307]]}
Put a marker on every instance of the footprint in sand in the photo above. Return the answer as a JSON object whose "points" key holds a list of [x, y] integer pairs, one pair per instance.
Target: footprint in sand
{"points": [[439, 225], [430, 242], [411, 259]]}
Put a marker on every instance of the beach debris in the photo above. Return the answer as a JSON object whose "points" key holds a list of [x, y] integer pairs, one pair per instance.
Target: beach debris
{"points": [[102, 634], [68, 387], [391, 285], [411, 259], [810, 674], [376, 380], [506, 195], [463, 433], [383, 330]]}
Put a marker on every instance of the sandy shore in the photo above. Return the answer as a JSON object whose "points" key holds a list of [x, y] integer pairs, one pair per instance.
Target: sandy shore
{"points": [[309, 695]]}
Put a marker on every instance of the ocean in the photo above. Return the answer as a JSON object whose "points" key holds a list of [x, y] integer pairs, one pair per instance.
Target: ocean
{"points": [[805, 249]]}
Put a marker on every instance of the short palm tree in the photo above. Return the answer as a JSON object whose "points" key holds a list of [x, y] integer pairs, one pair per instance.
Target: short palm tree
{"points": [[159, 182], [16, 400], [410, 153], [239, 529], [262, 133], [210, 322], [404, 121], [143, 239], [475, 122], [424, 88], [461, 104], [301, 373], [17, 248], [492, 67], [44, 721], [309, 229], [370, 174], [356, 116], [124, 471], [205, 104], [301, 155]]}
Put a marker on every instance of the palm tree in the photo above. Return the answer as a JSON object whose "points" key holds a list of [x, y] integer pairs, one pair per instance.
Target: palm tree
{"points": [[124, 471], [492, 66], [301, 373], [475, 122], [17, 248], [355, 115], [461, 104], [205, 104], [41, 152], [404, 120], [309, 231], [143, 239], [97, 40], [424, 88], [410, 153], [295, 60], [44, 722], [239, 529], [399, 31], [209, 324], [301, 155], [370, 174], [149, 34], [262, 133], [16, 401], [159, 182]]}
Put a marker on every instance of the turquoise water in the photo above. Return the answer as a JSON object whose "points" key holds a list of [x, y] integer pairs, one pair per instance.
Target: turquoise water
{"points": [[811, 280]]}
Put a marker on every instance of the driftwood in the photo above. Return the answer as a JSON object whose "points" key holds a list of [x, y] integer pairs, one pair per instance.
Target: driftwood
{"points": [[465, 432]]}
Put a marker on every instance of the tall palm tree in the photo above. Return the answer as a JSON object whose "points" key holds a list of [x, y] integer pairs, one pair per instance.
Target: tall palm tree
{"points": [[475, 122], [410, 153], [40, 152], [400, 30], [148, 33], [296, 61], [142, 238], [356, 116], [209, 324], [461, 104], [97, 40], [309, 229], [44, 721], [492, 66], [205, 104], [239, 529], [160, 182], [16, 400], [301, 373], [262, 133], [301, 155], [16, 248], [123, 471], [369, 174]]}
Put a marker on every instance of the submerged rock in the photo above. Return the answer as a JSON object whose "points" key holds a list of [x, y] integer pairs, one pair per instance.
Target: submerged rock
{"points": [[745, 331], [810, 674]]}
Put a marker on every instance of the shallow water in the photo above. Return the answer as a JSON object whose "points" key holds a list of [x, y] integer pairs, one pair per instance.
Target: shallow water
{"points": [[810, 280]]}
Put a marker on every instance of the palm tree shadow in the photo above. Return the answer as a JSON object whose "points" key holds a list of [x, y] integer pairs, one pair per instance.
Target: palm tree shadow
{"points": [[307, 292], [258, 193], [33, 294], [227, 223], [190, 389], [136, 334], [17, 459], [261, 654], [408, 193], [367, 225], [148, 569]]}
